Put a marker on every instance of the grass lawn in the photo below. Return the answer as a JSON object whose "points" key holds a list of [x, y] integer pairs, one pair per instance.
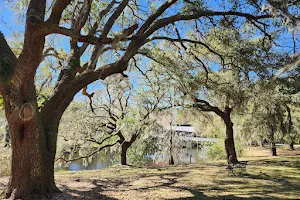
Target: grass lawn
{"points": [[264, 178]]}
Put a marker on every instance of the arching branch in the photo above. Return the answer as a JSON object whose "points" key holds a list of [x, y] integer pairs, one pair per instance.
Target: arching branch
{"points": [[8, 60], [34, 41], [155, 15], [110, 22], [95, 26], [57, 11], [88, 155], [205, 13]]}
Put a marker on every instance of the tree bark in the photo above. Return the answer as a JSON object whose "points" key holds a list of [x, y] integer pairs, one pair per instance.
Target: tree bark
{"points": [[124, 149], [225, 116], [292, 146], [125, 145], [273, 149], [32, 169], [171, 161], [272, 140], [229, 139]]}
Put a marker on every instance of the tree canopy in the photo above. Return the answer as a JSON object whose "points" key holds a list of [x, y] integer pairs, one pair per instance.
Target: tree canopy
{"points": [[210, 52]]}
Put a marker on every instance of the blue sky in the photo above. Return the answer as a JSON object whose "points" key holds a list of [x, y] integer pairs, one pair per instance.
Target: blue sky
{"points": [[6, 21], [8, 24]]}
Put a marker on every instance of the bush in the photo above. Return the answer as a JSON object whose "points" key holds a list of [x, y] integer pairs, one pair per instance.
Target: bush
{"points": [[217, 150]]}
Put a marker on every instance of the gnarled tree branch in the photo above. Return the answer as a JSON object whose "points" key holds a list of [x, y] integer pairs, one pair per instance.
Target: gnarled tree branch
{"points": [[57, 11], [8, 60]]}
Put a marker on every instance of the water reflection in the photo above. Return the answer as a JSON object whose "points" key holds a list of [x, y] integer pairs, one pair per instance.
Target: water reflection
{"points": [[100, 161], [97, 163]]}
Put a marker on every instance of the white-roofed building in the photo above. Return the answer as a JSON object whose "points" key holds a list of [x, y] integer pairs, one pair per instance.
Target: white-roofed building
{"points": [[187, 133]]}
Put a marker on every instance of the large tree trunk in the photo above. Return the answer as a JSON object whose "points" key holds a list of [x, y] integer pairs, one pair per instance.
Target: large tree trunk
{"points": [[33, 155], [29, 173], [33, 141], [229, 139], [225, 116], [32, 169], [125, 145], [229, 144], [124, 149]]}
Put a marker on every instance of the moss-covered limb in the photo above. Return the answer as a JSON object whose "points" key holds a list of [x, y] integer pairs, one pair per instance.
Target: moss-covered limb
{"points": [[7, 59]]}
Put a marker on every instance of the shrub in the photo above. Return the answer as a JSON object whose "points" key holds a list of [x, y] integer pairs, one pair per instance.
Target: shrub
{"points": [[217, 150]]}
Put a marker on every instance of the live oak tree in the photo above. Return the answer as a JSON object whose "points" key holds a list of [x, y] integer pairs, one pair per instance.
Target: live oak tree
{"points": [[84, 139], [274, 103], [273, 111], [122, 115], [292, 131], [267, 110], [290, 124], [98, 27], [215, 71], [289, 84], [130, 118]]}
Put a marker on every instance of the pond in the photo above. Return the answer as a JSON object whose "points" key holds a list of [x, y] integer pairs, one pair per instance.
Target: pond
{"points": [[100, 161]]}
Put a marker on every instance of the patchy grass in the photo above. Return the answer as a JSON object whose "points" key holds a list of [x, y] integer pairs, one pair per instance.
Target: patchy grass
{"points": [[254, 153], [264, 178]]}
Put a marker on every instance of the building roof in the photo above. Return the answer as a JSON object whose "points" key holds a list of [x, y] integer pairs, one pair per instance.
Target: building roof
{"points": [[184, 128], [190, 129]]}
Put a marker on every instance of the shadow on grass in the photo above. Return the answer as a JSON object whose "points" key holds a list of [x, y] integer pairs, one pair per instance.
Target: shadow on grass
{"points": [[282, 182], [197, 195], [171, 181], [252, 184], [293, 162], [96, 192]]}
